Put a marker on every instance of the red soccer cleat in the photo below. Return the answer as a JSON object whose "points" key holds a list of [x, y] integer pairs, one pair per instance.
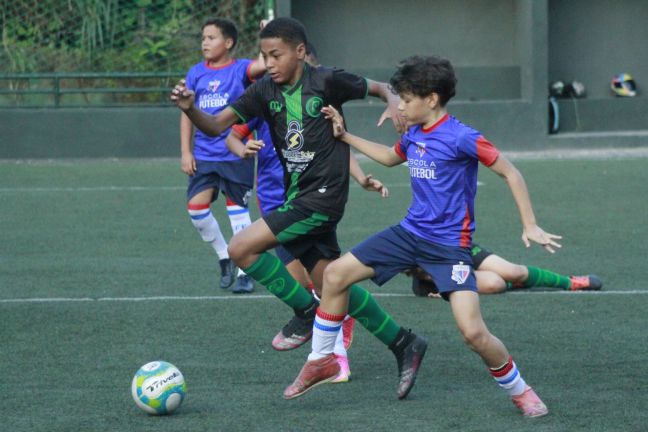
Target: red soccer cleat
{"points": [[530, 404], [347, 332], [583, 283], [314, 373]]}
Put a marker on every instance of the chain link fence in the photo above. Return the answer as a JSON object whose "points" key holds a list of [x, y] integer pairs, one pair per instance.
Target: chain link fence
{"points": [[109, 52]]}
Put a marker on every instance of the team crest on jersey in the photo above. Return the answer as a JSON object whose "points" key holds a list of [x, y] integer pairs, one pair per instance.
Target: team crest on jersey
{"points": [[314, 106], [294, 137], [460, 273], [212, 86], [420, 148]]}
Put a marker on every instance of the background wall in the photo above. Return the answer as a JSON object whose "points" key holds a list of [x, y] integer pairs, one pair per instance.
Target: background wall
{"points": [[505, 52], [591, 41]]}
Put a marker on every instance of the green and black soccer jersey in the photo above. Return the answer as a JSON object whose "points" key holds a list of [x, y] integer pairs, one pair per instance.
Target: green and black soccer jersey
{"points": [[316, 163]]}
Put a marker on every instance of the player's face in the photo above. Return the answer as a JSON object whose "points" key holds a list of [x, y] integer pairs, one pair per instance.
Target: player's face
{"points": [[214, 45], [418, 110], [413, 108], [282, 60]]}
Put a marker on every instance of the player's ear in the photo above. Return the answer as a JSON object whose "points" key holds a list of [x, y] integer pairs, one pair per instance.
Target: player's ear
{"points": [[433, 100], [301, 51], [229, 43]]}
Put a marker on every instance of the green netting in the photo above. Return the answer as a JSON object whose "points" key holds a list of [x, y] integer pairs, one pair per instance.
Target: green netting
{"points": [[116, 35]]}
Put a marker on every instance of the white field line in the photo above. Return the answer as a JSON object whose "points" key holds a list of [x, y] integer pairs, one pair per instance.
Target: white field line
{"points": [[267, 296]]}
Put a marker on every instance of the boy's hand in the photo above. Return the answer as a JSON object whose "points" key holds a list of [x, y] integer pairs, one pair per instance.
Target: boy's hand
{"points": [[336, 119], [188, 164], [537, 235], [182, 96], [252, 147], [399, 122], [372, 184]]}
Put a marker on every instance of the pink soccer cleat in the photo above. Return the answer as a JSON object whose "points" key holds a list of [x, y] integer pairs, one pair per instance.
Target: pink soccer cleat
{"points": [[530, 404], [347, 331], [345, 371], [314, 373]]}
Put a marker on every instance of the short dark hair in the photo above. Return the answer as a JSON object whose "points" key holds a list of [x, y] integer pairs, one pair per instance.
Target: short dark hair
{"points": [[289, 30], [226, 26], [424, 75]]}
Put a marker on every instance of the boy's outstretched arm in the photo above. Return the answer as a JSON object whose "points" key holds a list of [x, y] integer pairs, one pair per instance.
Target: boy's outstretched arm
{"points": [[382, 154], [530, 230], [234, 142], [382, 91], [366, 181], [210, 125]]}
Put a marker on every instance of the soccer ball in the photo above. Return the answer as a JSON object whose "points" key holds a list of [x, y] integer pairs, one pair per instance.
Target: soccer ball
{"points": [[158, 388]]}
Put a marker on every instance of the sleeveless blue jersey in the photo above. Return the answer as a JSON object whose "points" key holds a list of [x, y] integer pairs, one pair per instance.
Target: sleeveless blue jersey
{"points": [[442, 162], [215, 89], [270, 173]]}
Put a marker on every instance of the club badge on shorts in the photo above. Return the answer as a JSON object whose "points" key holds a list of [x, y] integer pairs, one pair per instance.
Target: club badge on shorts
{"points": [[460, 273]]}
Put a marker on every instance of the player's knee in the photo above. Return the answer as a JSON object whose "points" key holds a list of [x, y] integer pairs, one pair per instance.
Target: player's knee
{"points": [[475, 337], [334, 276], [518, 274], [237, 250]]}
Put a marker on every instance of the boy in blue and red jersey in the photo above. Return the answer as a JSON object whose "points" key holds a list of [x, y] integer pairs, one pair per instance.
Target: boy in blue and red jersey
{"points": [[218, 81], [443, 155]]}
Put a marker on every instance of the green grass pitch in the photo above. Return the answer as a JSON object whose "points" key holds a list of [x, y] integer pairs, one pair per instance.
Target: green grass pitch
{"points": [[130, 281]]}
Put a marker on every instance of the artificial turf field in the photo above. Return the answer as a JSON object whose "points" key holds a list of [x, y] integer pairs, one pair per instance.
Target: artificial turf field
{"points": [[101, 272]]}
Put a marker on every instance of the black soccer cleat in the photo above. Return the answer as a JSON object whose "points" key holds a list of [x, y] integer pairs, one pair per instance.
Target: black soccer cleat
{"points": [[423, 288], [296, 333], [409, 361], [228, 272]]}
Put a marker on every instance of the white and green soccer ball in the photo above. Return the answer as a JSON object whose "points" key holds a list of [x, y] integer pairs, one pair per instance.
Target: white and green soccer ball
{"points": [[158, 388]]}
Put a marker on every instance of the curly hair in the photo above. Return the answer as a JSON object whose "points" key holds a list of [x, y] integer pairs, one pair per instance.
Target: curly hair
{"points": [[424, 75]]}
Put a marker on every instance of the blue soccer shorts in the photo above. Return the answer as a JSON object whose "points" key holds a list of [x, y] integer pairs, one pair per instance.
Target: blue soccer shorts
{"points": [[395, 249], [233, 178]]}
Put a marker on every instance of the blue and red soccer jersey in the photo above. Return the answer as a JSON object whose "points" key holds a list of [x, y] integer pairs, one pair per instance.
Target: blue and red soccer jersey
{"points": [[442, 162], [215, 89], [270, 173]]}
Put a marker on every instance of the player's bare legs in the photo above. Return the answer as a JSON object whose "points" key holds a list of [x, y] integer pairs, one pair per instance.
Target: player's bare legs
{"points": [[339, 295], [337, 279], [508, 271], [297, 270], [207, 226], [465, 307], [246, 245], [248, 249]]}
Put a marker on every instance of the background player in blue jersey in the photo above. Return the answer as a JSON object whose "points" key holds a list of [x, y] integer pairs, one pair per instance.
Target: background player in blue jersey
{"points": [[496, 275], [217, 81], [442, 155], [316, 164]]}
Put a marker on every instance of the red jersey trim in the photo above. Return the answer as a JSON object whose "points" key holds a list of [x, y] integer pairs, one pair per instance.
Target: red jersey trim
{"points": [[242, 130], [231, 62], [464, 239], [487, 153], [399, 151], [249, 69], [437, 124]]}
